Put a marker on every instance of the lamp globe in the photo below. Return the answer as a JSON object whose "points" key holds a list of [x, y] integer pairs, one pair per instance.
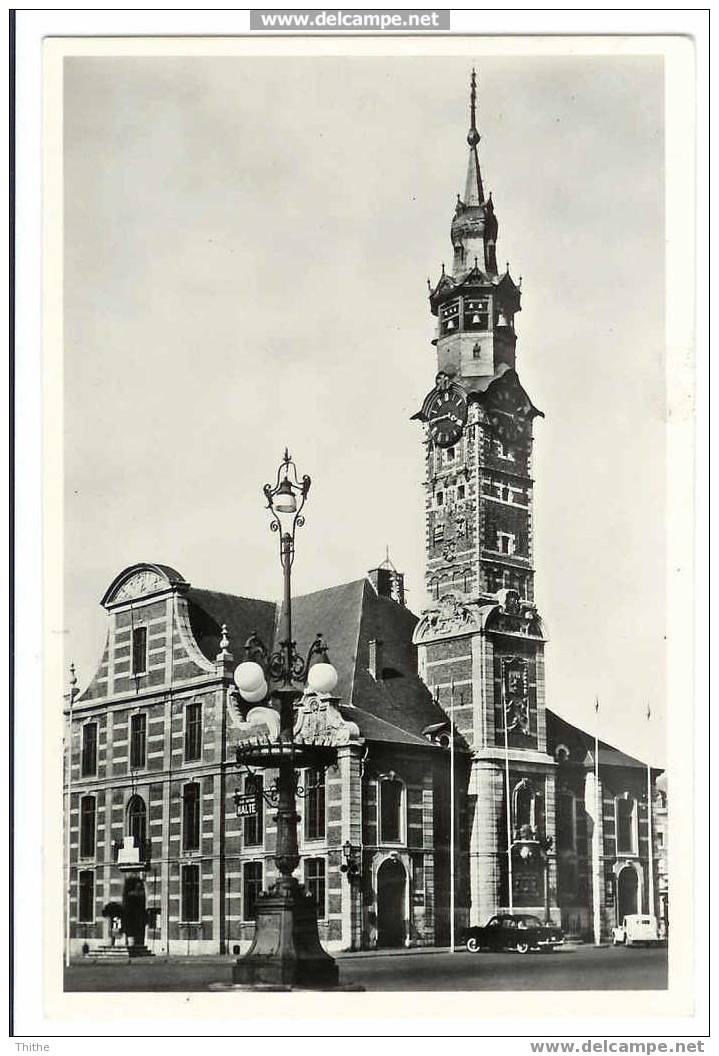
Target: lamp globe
{"points": [[248, 676], [255, 695], [322, 678]]}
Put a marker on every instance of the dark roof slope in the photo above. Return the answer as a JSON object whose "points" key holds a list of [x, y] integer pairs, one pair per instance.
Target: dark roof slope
{"points": [[335, 614], [581, 745], [209, 609], [376, 729], [396, 707]]}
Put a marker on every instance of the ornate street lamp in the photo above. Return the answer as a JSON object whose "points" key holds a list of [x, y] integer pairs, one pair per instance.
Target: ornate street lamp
{"points": [[286, 948]]}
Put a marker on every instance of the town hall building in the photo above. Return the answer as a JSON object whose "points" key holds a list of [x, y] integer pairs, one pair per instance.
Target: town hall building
{"points": [[548, 820]]}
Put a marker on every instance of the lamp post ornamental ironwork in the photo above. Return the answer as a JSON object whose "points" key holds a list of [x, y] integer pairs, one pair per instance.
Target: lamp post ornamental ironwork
{"points": [[286, 947]]}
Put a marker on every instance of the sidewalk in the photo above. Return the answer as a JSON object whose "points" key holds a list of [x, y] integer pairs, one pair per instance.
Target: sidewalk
{"points": [[339, 955]]}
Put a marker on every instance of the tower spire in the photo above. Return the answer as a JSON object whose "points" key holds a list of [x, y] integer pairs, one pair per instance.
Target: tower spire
{"points": [[473, 191]]}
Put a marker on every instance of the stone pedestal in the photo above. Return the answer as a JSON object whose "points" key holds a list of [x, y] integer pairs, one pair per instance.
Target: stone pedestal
{"points": [[286, 950]]}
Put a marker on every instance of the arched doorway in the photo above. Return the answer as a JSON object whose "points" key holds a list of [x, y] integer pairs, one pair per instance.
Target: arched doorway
{"points": [[391, 890], [133, 911], [627, 891]]}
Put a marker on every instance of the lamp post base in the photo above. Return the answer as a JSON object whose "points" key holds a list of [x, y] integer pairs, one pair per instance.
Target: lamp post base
{"points": [[286, 950]]}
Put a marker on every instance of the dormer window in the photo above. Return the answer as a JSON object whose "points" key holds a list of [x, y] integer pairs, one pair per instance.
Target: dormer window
{"points": [[449, 317], [476, 313]]}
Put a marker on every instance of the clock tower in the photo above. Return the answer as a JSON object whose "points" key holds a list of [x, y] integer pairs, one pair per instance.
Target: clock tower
{"points": [[481, 642]]}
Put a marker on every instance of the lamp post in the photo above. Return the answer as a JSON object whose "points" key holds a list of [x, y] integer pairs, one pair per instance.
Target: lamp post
{"points": [[286, 949]]}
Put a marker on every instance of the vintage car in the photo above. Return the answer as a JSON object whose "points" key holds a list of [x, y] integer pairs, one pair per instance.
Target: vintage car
{"points": [[516, 931], [635, 929]]}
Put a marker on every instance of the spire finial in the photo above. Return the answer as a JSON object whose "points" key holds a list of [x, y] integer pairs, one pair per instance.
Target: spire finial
{"points": [[73, 682], [473, 135], [224, 653]]}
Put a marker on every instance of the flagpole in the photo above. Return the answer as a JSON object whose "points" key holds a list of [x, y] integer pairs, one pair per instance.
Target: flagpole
{"points": [[503, 692], [650, 833], [595, 886], [451, 819]]}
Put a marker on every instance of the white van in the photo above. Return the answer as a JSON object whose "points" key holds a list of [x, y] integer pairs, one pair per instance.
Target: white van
{"points": [[635, 929]]}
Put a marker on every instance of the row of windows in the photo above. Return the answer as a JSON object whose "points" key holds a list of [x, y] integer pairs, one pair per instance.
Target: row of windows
{"points": [[138, 740], [315, 877], [460, 495], [474, 315], [389, 814], [314, 800], [510, 493], [506, 579], [136, 815], [625, 817]]}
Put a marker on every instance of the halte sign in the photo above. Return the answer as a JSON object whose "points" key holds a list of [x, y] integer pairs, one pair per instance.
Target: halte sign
{"points": [[246, 805]]}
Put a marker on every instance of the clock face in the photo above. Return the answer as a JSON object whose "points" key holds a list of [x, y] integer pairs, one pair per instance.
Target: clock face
{"points": [[447, 415], [506, 426], [509, 416]]}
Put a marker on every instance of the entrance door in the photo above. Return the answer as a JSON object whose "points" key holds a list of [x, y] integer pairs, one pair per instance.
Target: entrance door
{"points": [[133, 915], [391, 888], [627, 890]]}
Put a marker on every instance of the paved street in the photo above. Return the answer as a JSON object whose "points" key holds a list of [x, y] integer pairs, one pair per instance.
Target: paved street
{"points": [[578, 968]]}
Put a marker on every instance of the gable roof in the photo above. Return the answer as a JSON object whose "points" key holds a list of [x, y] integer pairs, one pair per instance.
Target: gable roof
{"points": [[209, 609], [582, 746], [395, 708]]}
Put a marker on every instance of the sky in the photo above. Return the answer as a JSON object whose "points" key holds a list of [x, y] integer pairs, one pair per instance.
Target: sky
{"points": [[247, 244]]}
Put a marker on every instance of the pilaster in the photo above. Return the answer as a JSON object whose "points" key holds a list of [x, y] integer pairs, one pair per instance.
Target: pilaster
{"points": [[349, 763]]}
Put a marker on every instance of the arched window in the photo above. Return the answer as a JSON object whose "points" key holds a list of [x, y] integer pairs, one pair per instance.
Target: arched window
{"points": [[527, 809], [137, 822], [626, 822], [391, 796]]}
